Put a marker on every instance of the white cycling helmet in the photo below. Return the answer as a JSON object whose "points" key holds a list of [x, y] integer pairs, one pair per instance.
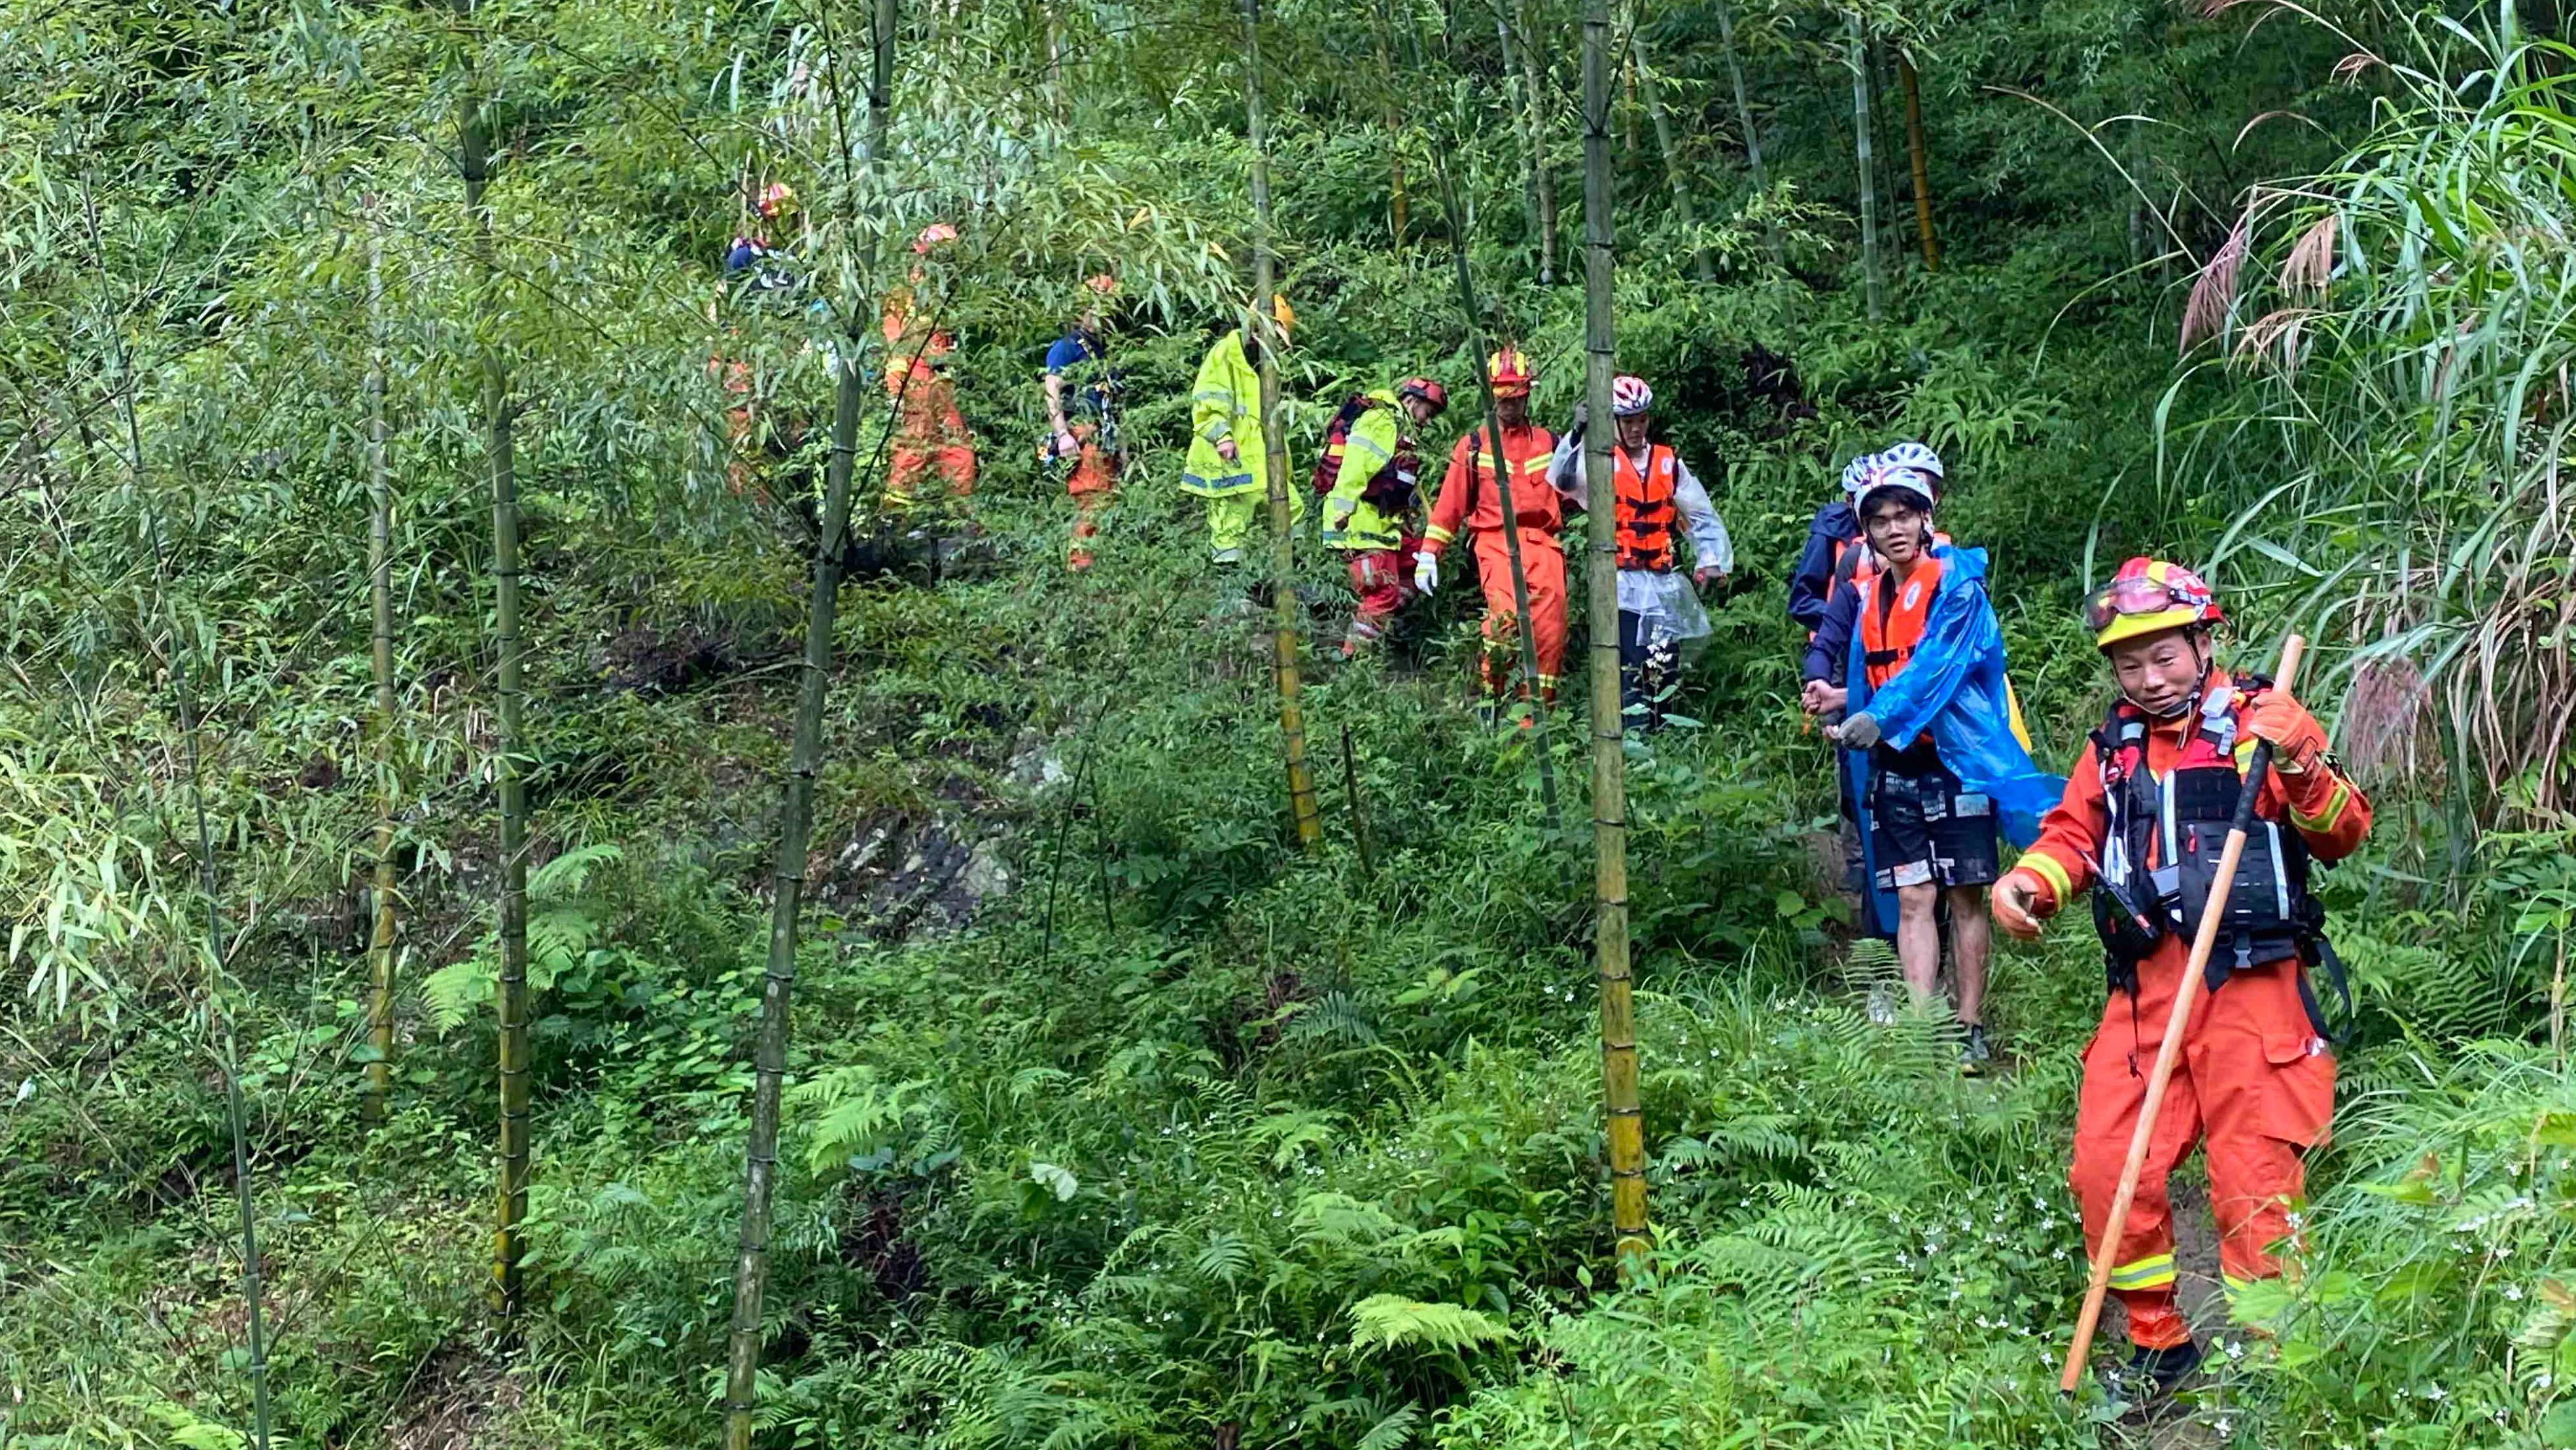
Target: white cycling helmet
{"points": [[1629, 396], [1887, 476], [1857, 475], [1912, 455]]}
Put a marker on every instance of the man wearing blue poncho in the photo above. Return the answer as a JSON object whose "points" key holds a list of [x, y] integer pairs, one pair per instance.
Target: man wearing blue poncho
{"points": [[1931, 738]]}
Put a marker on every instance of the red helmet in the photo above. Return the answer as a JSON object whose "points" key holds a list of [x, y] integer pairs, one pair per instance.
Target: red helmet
{"points": [[1103, 284], [2149, 596], [1508, 370], [1428, 390], [932, 235], [777, 199]]}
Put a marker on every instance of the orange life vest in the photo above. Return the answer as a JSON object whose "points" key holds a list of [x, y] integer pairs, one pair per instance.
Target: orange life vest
{"points": [[1645, 515], [1855, 560], [1892, 616]]}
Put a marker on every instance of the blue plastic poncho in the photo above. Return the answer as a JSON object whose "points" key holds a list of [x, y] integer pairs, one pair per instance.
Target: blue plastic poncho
{"points": [[1954, 688]]}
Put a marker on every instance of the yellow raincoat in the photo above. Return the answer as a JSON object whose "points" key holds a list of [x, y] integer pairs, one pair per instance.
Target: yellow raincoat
{"points": [[1225, 402], [1369, 447]]}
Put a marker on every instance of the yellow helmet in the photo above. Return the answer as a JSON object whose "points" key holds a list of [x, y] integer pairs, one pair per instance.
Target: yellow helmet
{"points": [[2149, 596], [1282, 313]]}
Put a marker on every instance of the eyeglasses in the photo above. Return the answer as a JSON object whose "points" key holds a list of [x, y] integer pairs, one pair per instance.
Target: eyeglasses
{"points": [[2138, 596]]}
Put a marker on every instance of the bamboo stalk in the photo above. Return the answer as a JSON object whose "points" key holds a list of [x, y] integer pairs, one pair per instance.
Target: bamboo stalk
{"points": [[2203, 940], [1700, 265], [1058, 97], [1534, 98], [1915, 152], [796, 815], [1628, 98], [1359, 819], [380, 514], [1302, 806], [1511, 529], [1395, 198], [236, 1111], [1743, 106], [1859, 58], [1625, 1117], [1512, 83], [510, 995], [778, 980], [1744, 122], [2137, 192]]}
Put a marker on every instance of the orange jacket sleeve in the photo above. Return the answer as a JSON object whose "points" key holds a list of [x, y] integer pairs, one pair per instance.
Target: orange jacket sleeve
{"points": [[2329, 811], [1449, 511], [2070, 835]]}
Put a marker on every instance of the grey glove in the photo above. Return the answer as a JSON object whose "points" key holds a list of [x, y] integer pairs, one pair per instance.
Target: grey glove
{"points": [[1860, 732]]}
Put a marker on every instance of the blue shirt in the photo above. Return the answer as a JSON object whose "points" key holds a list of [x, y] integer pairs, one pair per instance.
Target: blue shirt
{"points": [[1812, 586], [1834, 625], [1067, 359]]}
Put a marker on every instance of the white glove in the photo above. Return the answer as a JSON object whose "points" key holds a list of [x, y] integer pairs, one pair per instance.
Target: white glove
{"points": [[1337, 514], [1860, 732], [1426, 571]]}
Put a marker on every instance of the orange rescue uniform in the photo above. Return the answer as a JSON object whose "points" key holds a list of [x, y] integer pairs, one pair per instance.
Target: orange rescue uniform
{"points": [[1470, 499], [2254, 1085], [929, 433]]}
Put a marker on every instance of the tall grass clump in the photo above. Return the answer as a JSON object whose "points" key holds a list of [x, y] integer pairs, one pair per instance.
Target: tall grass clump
{"points": [[2394, 338]]}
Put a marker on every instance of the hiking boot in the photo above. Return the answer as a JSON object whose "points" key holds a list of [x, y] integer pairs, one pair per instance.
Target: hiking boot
{"points": [[2152, 1374], [1975, 1052]]}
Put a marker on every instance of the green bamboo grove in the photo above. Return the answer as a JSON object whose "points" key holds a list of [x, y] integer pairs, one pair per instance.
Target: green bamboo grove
{"points": [[541, 538]]}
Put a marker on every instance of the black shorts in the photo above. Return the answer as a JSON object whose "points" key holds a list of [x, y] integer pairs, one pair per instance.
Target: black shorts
{"points": [[1927, 829]]}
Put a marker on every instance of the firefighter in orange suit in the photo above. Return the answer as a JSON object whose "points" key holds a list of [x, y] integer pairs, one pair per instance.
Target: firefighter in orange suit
{"points": [[2143, 821], [929, 434], [1469, 499]]}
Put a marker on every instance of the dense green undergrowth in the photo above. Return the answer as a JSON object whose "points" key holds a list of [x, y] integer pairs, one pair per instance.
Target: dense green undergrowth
{"points": [[1113, 1120], [1189, 1132]]}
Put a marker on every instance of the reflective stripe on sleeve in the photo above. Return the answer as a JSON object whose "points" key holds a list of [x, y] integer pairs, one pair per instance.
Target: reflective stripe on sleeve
{"points": [[2324, 820], [2045, 867]]}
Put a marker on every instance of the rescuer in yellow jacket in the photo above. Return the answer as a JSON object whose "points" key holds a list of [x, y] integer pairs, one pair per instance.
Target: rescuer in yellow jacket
{"points": [[1228, 463], [1373, 512]]}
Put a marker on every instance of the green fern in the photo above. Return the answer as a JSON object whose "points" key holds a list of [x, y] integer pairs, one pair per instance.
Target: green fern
{"points": [[855, 1115], [1393, 1430], [458, 990], [1392, 1321], [567, 875]]}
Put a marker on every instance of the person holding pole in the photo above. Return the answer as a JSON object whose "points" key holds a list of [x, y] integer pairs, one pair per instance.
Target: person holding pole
{"points": [[2145, 822]]}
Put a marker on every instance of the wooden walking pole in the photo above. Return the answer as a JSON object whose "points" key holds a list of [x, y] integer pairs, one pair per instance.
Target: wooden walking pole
{"points": [[2169, 1051]]}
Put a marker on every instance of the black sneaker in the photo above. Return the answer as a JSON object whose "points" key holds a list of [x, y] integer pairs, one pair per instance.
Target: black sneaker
{"points": [[1975, 1051], [2153, 1374]]}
